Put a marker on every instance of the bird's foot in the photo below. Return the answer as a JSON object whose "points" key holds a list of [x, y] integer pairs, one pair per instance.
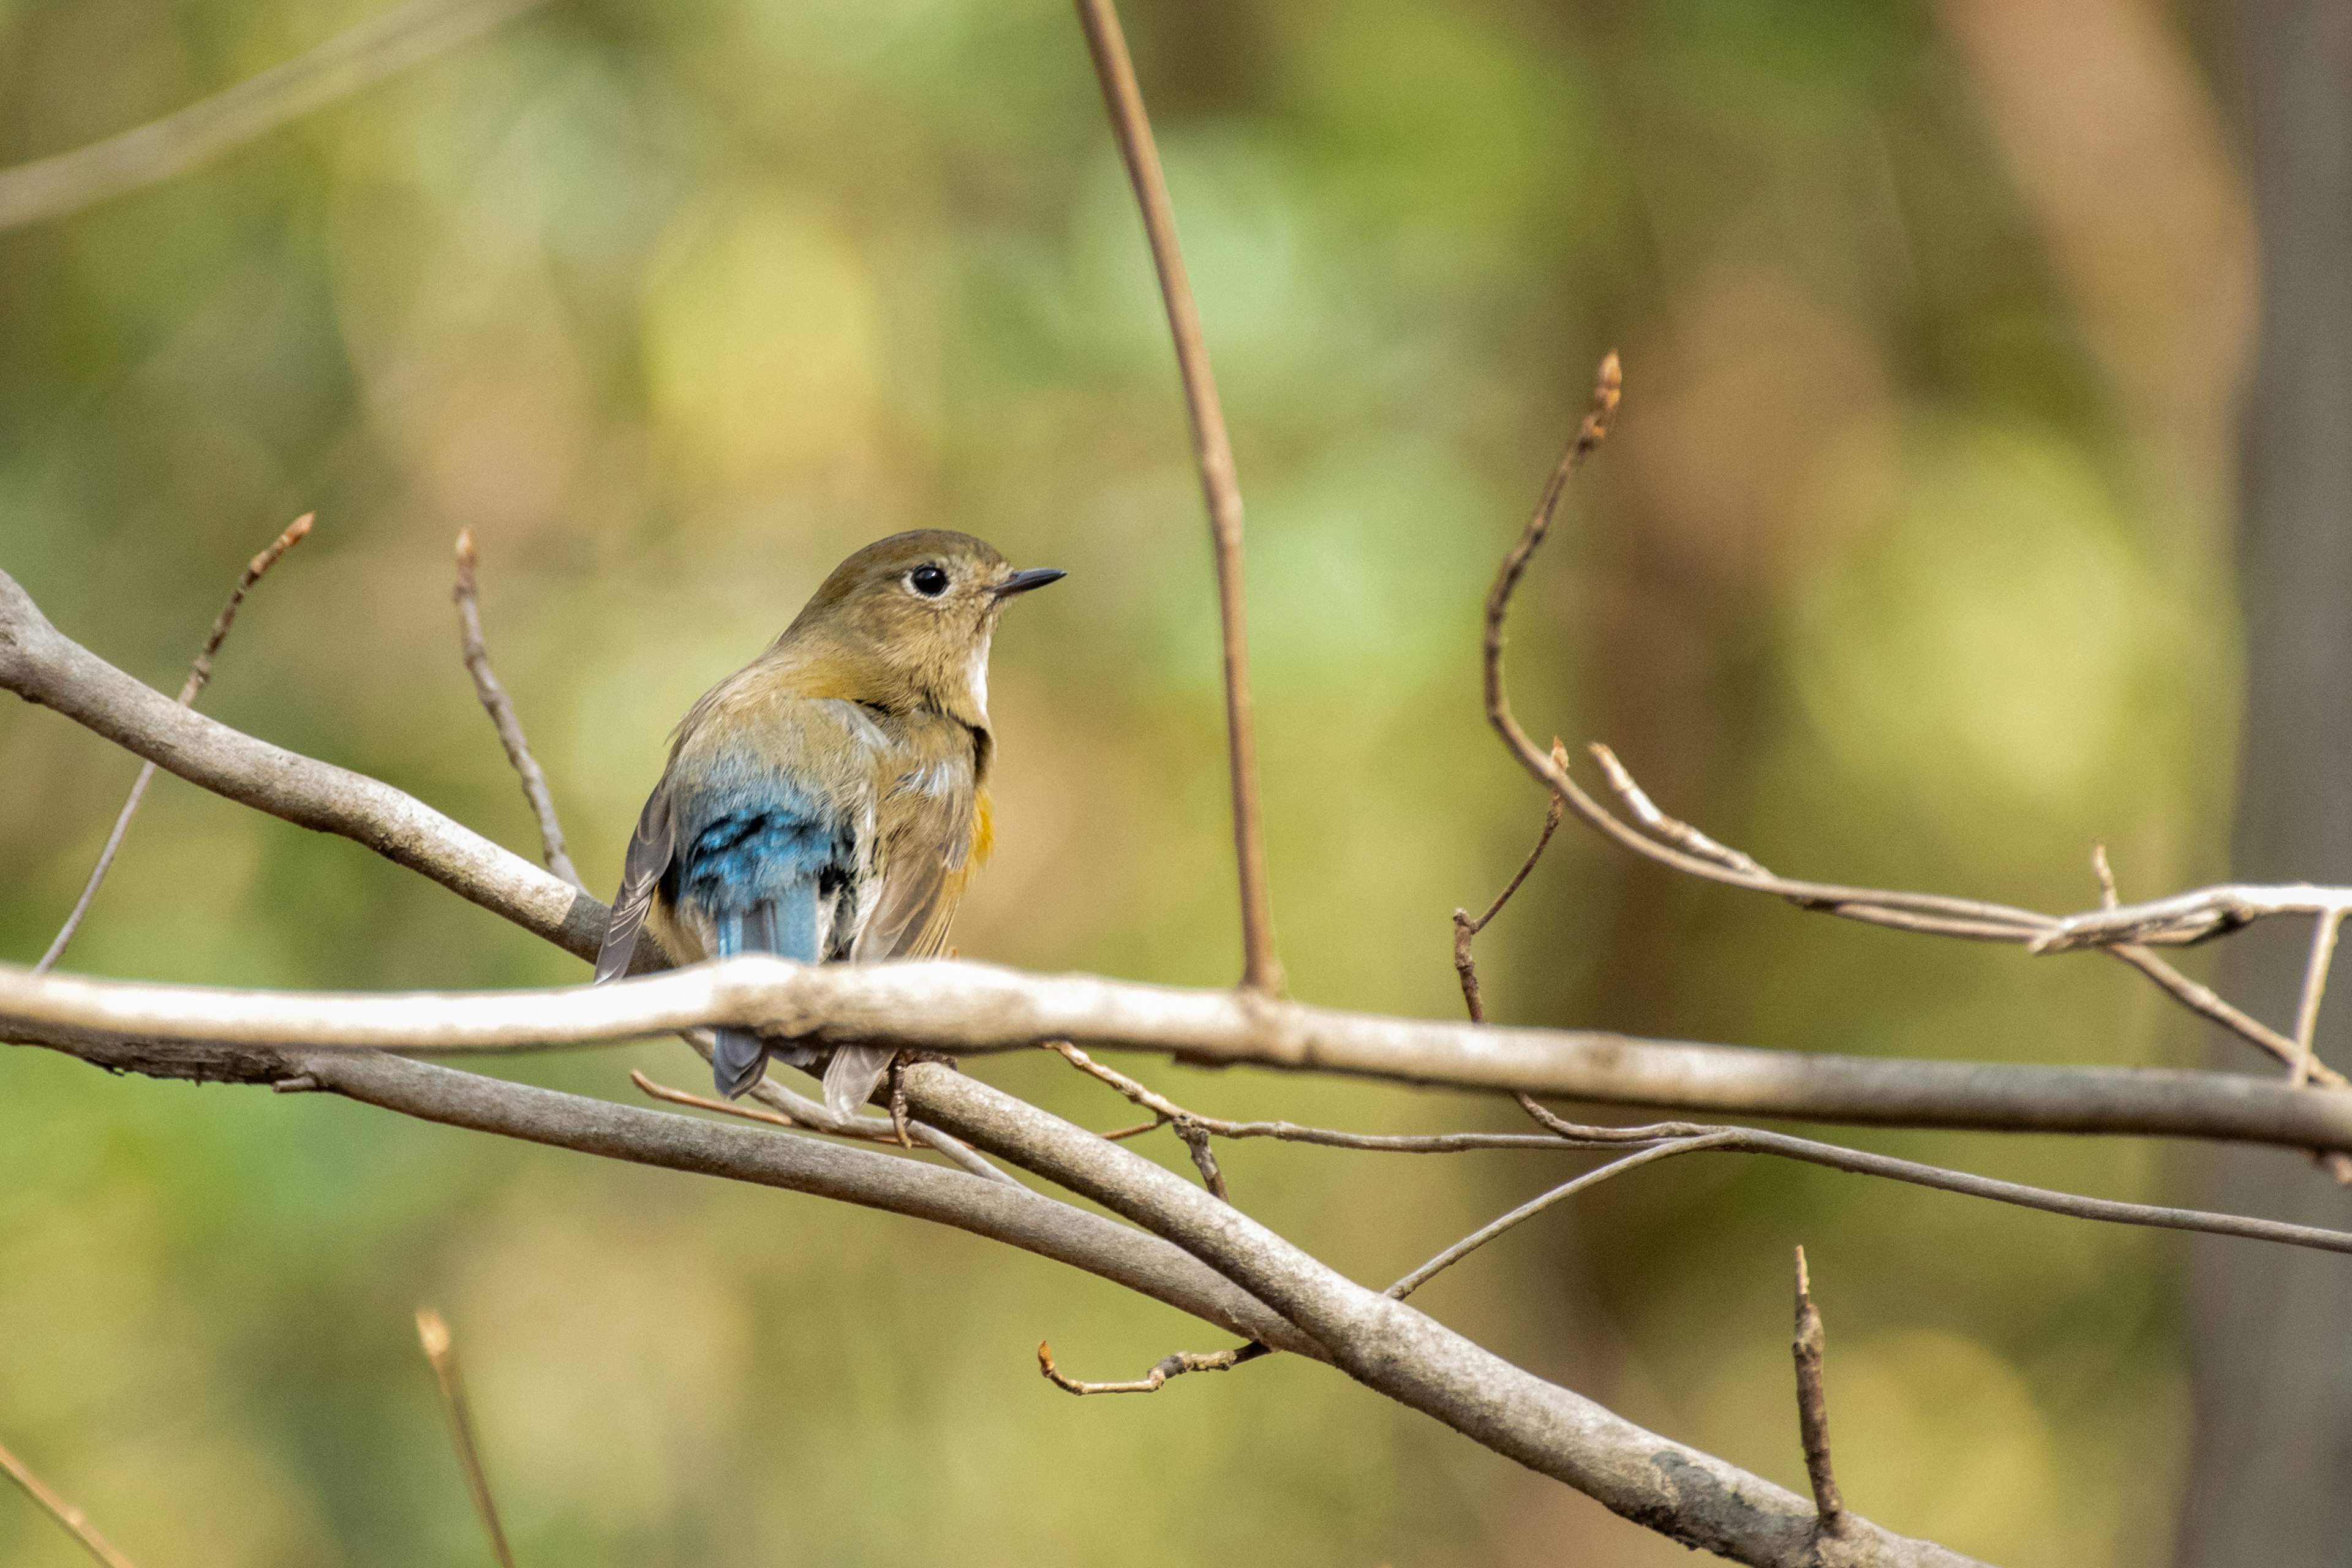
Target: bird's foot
{"points": [[899, 1066]]}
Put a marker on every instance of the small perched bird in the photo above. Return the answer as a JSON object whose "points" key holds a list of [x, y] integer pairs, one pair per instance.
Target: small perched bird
{"points": [[829, 800]]}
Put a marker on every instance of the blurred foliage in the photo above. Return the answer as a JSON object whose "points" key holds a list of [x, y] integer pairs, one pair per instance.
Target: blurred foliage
{"points": [[1885, 577]]}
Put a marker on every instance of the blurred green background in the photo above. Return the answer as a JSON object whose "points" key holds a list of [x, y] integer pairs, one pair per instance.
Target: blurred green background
{"points": [[1908, 564]]}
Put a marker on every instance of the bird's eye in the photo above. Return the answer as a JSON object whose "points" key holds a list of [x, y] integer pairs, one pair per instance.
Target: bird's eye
{"points": [[929, 581]]}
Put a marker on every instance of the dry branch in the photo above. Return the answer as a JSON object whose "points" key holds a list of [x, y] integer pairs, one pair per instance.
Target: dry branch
{"points": [[467, 596], [960, 1006], [1813, 1407], [198, 674], [441, 1350], [70, 1518], [974, 1008], [2121, 932], [1212, 452], [1173, 1365], [382, 46]]}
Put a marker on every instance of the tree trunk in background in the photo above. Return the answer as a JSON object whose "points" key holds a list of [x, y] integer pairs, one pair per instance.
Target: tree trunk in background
{"points": [[2269, 1476]]}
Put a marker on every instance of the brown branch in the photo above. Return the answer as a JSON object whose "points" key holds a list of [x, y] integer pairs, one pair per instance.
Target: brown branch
{"points": [[1166, 1112], [816, 1116], [1661, 1140], [377, 48], [71, 1520], [441, 1350], [962, 1006], [1213, 453], [1812, 1408], [2315, 987], [2189, 917], [500, 708], [1690, 1496], [1466, 930], [1168, 1366], [1534, 1206], [198, 674]]}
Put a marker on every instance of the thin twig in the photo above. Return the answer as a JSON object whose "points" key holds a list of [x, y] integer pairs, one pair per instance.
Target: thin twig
{"points": [[1673, 830], [2119, 930], [1168, 1366], [1204, 1160], [500, 708], [1166, 1111], [441, 1350], [1535, 1206], [71, 1520], [2108, 898], [1812, 1407], [198, 674], [1213, 453], [816, 1116], [382, 46], [1466, 930], [2315, 988], [880, 1133]]}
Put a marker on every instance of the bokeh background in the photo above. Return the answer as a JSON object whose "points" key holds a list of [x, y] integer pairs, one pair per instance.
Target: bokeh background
{"points": [[1908, 563]]}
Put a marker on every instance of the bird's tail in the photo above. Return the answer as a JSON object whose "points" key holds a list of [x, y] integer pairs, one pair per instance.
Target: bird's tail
{"points": [[851, 1077], [738, 1062]]}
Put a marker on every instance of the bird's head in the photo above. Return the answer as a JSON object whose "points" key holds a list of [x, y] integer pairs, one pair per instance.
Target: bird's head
{"points": [[907, 622]]}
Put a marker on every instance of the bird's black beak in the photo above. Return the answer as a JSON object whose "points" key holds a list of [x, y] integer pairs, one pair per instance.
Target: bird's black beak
{"points": [[1036, 577]]}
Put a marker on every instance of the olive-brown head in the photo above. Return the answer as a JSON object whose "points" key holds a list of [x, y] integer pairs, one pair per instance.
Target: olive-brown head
{"points": [[906, 623]]}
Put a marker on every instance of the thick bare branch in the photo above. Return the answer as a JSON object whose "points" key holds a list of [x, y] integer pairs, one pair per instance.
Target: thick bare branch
{"points": [[1680, 1491], [972, 1008], [500, 708], [42, 665], [382, 46], [1000, 1211], [198, 674], [956, 1006], [1690, 1496], [1212, 452]]}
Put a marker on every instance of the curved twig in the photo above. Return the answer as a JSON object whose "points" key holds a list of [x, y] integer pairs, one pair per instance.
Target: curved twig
{"points": [[198, 674]]}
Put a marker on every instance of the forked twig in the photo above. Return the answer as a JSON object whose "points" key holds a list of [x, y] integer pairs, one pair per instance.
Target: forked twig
{"points": [[198, 674], [368, 53], [467, 596], [1212, 452], [1166, 1112], [71, 1520], [441, 1350], [1812, 1407], [1168, 1366], [2121, 931], [1658, 1141], [1466, 930]]}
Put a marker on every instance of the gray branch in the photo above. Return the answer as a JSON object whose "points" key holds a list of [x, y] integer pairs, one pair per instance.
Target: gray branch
{"points": [[967, 1007]]}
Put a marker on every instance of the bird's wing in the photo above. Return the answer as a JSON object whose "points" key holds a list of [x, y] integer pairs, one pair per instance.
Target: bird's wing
{"points": [[926, 827], [650, 848], [931, 828]]}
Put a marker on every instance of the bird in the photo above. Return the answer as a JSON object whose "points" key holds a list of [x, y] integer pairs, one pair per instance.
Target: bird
{"points": [[828, 801]]}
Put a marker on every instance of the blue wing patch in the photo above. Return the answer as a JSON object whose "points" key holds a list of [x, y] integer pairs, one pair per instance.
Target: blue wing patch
{"points": [[763, 867]]}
